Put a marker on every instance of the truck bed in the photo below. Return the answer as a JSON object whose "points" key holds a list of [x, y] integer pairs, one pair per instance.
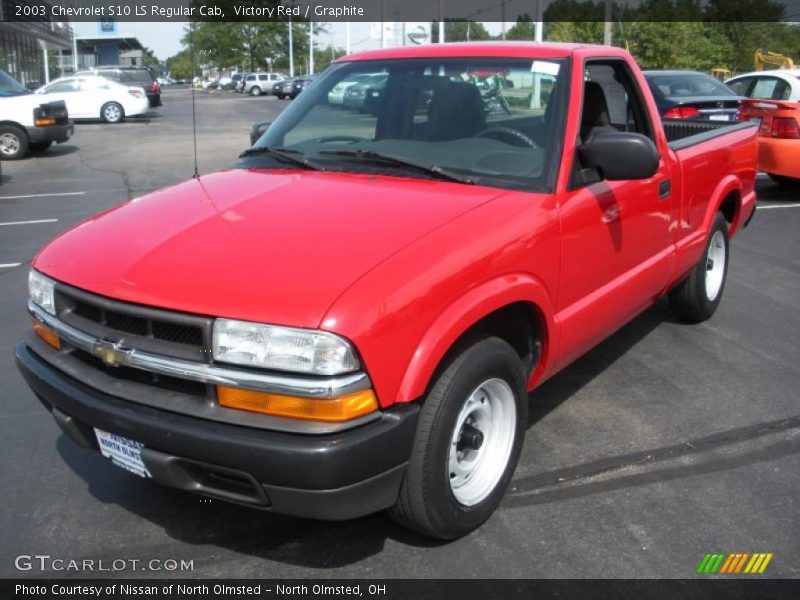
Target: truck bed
{"points": [[683, 133]]}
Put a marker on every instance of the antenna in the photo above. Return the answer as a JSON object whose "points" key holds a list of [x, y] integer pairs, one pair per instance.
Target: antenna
{"points": [[194, 118]]}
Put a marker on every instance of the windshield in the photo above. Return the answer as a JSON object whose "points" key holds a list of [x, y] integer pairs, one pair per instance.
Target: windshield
{"points": [[491, 122], [10, 86]]}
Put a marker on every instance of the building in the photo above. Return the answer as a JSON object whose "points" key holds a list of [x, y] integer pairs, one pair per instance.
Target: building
{"points": [[29, 48], [106, 50]]}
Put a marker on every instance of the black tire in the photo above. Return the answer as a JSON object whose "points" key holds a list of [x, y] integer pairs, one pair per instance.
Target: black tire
{"points": [[281, 96], [40, 147], [427, 503], [112, 112], [14, 142], [690, 299], [255, 91], [784, 181]]}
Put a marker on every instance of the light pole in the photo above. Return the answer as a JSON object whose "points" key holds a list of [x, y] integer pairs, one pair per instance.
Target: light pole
{"points": [[310, 47], [291, 49]]}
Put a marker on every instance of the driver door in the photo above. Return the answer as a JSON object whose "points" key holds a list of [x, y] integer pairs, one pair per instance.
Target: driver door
{"points": [[616, 245]]}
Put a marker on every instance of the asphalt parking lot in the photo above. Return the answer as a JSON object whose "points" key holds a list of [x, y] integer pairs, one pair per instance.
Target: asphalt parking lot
{"points": [[665, 442]]}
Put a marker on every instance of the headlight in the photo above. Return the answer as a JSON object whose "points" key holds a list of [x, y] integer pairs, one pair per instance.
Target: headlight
{"points": [[282, 348], [40, 290]]}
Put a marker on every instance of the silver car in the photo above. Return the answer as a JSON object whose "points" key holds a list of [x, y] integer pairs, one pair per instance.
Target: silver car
{"points": [[256, 84]]}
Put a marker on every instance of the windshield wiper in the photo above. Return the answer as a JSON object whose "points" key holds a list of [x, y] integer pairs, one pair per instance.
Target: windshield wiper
{"points": [[288, 154], [402, 161]]}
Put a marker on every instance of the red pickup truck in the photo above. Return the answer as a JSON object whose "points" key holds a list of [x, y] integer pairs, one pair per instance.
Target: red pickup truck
{"points": [[351, 318]]}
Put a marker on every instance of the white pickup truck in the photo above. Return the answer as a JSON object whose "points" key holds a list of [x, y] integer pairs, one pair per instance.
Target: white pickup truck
{"points": [[29, 122]]}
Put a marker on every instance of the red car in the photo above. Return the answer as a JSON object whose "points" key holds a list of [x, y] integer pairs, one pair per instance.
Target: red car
{"points": [[351, 318]]}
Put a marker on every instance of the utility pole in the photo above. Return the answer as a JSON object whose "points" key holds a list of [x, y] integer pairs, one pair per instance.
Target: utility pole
{"points": [[607, 37], [503, 17], [441, 21], [310, 47], [347, 37], [291, 49], [538, 27]]}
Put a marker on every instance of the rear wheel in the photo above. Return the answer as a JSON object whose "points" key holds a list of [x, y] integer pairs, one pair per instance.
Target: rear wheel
{"points": [[697, 297], [255, 91], [467, 443], [40, 147], [13, 142], [112, 112], [785, 181]]}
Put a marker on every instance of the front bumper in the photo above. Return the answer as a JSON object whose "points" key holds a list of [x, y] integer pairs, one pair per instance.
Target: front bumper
{"points": [[51, 133], [335, 476]]}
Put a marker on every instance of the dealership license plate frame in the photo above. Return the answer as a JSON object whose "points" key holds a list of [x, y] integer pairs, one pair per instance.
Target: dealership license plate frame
{"points": [[123, 452]]}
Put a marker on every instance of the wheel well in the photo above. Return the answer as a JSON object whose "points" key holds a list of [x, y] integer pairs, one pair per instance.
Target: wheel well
{"points": [[519, 324], [729, 207]]}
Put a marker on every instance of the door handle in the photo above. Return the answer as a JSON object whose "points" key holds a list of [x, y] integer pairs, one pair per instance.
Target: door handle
{"points": [[664, 189]]}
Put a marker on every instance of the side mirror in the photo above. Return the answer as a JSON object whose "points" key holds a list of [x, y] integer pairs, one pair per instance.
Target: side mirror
{"points": [[619, 155], [257, 130]]}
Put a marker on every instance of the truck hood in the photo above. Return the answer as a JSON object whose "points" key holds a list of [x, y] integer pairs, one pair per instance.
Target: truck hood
{"points": [[270, 246]]}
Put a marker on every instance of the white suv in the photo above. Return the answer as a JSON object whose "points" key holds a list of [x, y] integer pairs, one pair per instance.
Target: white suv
{"points": [[256, 84]]}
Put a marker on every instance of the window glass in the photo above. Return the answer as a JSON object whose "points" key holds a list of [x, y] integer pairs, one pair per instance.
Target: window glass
{"points": [[770, 88], [740, 86], [494, 120], [60, 87], [626, 111]]}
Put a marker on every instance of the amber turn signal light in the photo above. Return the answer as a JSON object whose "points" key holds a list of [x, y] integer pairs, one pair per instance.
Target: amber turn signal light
{"points": [[48, 335], [338, 409], [45, 121]]}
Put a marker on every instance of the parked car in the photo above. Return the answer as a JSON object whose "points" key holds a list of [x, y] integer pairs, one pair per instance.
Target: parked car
{"points": [[143, 77], [336, 95], [421, 274], [283, 89], [778, 84], [29, 123], [236, 80], [257, 84], [92, 97], [776, 107], [692, 95], [355, 96], [778, 139]]}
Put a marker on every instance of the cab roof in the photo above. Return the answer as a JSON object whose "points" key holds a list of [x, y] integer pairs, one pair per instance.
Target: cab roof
{"points": [[480, 49]]}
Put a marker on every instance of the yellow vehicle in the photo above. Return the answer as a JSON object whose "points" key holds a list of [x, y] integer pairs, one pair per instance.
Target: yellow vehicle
{"points": [[773, 59], [720, 73]]}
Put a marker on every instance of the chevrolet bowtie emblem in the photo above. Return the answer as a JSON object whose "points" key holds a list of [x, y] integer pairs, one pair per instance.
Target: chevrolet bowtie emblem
{"points": [[112, 353]]}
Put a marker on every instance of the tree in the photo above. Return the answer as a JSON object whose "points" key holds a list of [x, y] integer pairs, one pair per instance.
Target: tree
{"points": [[678, 45], [179, 66], [460, 31]]}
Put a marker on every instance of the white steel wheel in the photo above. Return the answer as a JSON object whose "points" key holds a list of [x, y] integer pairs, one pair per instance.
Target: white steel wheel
{"points": [[715, 265], [482, 440]]}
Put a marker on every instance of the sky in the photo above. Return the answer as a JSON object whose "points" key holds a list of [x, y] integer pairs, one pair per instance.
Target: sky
{"points": [[165, 38]]}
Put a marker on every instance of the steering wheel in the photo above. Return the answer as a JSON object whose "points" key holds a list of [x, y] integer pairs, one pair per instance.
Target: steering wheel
{"points": [[514, 134], [340, 138]]}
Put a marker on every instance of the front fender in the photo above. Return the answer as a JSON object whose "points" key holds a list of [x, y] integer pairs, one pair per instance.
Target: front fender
{"points": [[467, 310]]}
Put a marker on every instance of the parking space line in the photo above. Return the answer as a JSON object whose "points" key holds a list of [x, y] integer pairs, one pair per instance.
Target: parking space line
{"points": [[9, 265], [28, 222], [42, 195], [794, 205]]}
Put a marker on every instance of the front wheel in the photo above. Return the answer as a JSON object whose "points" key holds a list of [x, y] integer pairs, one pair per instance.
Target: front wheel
{"points": [[697, 297], [13, 142], [467, 444], [112, 113]]}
